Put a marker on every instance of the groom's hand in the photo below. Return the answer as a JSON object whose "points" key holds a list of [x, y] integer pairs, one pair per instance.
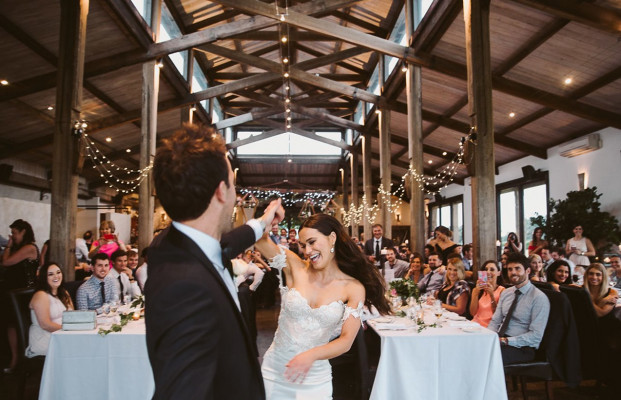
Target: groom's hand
{"points": [[274, 213]]}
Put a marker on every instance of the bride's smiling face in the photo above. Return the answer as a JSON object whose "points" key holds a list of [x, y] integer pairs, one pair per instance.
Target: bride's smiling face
{"points": [[316, 247]]}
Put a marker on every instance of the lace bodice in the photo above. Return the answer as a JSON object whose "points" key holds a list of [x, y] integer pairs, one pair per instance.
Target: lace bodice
{"points": [[301, 327]]}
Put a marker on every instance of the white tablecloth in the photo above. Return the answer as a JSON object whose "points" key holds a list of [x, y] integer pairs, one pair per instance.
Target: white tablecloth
{"points": [[84, 365], [438, 363]]}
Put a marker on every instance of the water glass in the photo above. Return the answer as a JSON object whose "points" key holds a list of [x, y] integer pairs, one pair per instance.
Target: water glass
{"points": [[106, 309], [114, 306], [127, 299]]}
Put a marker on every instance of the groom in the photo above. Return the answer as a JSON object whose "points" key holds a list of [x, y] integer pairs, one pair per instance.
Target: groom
{"points": [[198, 343]]}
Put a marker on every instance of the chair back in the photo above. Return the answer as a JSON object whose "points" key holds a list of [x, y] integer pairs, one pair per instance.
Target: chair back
{"points": [[356, 359], [72, 288], [587, 324], [560, 339], [20, 303]]}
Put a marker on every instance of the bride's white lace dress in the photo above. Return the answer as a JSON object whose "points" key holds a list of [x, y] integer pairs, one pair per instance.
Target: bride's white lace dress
{"points": [[300, 328]]}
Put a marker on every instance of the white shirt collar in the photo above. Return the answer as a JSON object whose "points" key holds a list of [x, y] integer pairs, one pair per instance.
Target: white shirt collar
{"points": [[209, 245]]}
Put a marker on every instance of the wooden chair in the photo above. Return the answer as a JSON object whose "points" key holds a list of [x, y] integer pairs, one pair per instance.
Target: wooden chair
{"points": [[20, 300]]}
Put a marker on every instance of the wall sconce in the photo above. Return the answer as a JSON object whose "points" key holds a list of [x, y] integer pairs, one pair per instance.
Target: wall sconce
{"points": [[581, 181], [398, 216]]}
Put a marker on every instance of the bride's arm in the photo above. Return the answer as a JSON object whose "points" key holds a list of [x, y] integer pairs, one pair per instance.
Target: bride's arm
{"points": [[298, 366], [269, 250]]}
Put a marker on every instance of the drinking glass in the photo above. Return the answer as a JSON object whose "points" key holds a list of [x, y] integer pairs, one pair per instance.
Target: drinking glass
{"points": [[127, 299], [106, 309], [114, 306]]}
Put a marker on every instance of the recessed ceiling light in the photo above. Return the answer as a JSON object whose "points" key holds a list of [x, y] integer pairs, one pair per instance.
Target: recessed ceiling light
{"points": [[511, 114], [4, 82], [430, 162], [128, 150], [567, 81], [108, 139], [50, 108], [444, 153]]}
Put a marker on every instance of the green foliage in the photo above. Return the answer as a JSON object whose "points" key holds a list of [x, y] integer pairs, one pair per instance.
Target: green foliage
{"points": [[579, 208], [405, 288]]}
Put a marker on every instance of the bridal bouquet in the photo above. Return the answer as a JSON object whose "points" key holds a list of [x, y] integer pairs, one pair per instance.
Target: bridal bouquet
{"points": [[405, 288]]}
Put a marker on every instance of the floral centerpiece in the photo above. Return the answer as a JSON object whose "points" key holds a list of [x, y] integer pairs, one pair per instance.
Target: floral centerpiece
{"points": [[404, 288]]}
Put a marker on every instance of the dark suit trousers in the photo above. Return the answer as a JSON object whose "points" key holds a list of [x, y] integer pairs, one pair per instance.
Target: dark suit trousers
{"points": [[514, 355]]}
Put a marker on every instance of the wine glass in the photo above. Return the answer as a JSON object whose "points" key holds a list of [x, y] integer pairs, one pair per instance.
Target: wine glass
{"points": [[106, 309], [127, 299], [114, 306]]}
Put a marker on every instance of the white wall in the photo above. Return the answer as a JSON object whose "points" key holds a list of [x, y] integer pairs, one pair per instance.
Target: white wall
{"points": [[601, 167], [29, 205]]}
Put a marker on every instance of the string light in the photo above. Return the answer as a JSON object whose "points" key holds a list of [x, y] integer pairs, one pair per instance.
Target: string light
{"points": [[122, 179], [290, 198]]}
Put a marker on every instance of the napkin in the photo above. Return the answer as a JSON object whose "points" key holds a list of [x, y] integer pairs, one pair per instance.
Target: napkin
{"points": [[463, 324], [391, 326]]}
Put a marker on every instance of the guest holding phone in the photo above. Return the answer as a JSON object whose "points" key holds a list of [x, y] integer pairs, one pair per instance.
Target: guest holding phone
{"points": [[108, 242], [486, 293]]}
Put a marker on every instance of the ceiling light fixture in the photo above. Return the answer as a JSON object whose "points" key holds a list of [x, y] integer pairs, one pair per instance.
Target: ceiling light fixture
{"points": [[4, 82], [444, 153], [568, 81], [404, 68], [50, 108], [287, 100], [284, 39], [128, 150], [285, 60], [159, 64], [108, 139], [286, 75], [511, 114], [430, 162]]}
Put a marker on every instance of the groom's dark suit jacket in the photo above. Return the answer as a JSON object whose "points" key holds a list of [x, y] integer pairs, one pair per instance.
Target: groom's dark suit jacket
{"points": [[198, 343]]}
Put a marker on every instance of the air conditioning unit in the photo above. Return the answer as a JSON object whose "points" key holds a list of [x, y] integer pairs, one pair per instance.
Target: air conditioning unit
{"points": [[581, 146]]}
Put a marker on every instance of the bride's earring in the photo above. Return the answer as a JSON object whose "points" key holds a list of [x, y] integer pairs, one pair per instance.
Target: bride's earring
{"points": [[332, 249]]}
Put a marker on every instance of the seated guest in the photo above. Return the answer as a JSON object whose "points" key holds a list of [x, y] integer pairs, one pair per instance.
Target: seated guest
{"points": [[122, 276], [399, 267], [546, 257], [141, 271], [415, 272], [615, 263], [99, 289], [596, 283], [521, 315], [486, 294], [558, 274], [108, 242], [132, 262], [455, 291], [433, 280], [536, 268], [46, 309], [558, 253]]}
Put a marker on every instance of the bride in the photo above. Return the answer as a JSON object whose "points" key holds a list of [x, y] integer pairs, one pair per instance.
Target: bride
{"points": [[323, 300]]}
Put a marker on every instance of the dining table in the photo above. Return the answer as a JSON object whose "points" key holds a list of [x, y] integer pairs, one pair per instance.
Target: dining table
{"points": [[453, 359], [86, 365]]}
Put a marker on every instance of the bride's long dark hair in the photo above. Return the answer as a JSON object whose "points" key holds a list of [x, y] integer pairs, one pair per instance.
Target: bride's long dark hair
{"points": [[351, 260]]}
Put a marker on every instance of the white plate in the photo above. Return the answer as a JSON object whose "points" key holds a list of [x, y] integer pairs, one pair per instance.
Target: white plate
{"points": [[471, 329]]}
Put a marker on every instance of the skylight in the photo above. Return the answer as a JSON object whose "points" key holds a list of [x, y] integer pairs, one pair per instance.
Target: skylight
{"points": [[289, 144]]}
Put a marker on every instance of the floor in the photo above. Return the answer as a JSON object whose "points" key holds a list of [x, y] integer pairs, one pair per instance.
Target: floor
{"points": [[267, 319]]}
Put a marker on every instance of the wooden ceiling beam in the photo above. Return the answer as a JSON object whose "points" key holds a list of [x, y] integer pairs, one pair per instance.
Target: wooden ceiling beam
{"points": [[318, 54], [584, 12], [274, 36], [295, 74], [325, 27], [244, 118], [258, 53], [253, 139], [139, 31], [345, 123], [374, 29], [230, 76], [223, 16], [327, 59], [434, 24], [308, 134], [534, 95]]}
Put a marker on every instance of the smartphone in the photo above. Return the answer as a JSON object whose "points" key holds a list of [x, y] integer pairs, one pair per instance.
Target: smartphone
{"points": [[483, 276], [109, 236]]}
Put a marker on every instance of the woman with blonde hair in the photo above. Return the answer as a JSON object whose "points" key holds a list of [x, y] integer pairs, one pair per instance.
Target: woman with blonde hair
{"points": [[108, 241], [455, 291], [596, 283], [536, 268]]}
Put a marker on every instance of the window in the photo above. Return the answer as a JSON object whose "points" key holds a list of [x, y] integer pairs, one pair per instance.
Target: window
{"points": [[518, 201], [289, 143], [449, 213]]}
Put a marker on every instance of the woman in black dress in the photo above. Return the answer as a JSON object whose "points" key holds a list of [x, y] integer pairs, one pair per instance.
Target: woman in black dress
{"points": [[20, 261], [443, 244]]}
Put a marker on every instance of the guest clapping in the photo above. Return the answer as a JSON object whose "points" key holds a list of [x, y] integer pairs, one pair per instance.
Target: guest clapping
{"points": [[46, 309], [558, 274], [486, 294], [455, 290]]}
